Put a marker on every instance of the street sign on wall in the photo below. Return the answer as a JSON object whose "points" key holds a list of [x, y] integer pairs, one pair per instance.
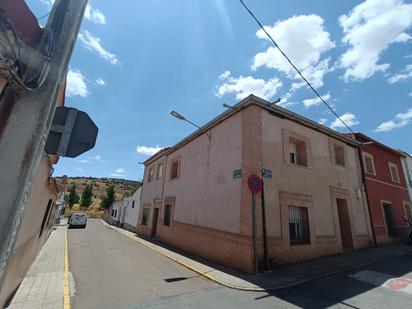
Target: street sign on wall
{"points": [[157, 200], [237, 173], [254, 183], [71, 134], [266, 173]]}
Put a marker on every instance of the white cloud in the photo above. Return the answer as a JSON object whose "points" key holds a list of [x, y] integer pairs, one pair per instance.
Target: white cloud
{"points": [[148, 150], [316, 101], [303, 38], [92, 42], [322, 121], [243, 86], [404, 74], [348, 118], [76, 84], [410, 94], [91, 159], [400, 120], [369, 28], [100, 82], [120, 172], [94, 15], [284, 100], [402, 38], [224, 75], [79, 169]]}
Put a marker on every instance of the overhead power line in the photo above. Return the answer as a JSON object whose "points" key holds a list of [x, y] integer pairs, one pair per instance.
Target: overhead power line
{"points": [[47, 14], [291, 63]]}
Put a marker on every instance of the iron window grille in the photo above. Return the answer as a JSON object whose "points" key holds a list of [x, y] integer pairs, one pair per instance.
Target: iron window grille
{"points": [[298, 225]]}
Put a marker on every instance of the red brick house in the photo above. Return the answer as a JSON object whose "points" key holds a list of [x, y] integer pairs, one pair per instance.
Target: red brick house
{"points": [[386, 189]]}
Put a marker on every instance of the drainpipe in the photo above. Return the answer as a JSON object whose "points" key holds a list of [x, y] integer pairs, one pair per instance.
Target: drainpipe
{"points": [[255, 249], [265, 239], [367, 195], [162, 205]]}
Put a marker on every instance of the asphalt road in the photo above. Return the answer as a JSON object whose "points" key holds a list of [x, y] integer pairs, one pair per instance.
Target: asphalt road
{"points": [[112, 271]]}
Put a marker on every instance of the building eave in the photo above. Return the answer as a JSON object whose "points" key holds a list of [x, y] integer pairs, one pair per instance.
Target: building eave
{"points": [[246, 102], [370, 139]]}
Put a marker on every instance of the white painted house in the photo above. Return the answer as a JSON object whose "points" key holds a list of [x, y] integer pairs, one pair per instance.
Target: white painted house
{"points": [[407, 170], [125, 212], [116, 212]]}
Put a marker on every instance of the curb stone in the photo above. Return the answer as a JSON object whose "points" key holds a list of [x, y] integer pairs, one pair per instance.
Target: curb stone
{"points": [[257, 288]]}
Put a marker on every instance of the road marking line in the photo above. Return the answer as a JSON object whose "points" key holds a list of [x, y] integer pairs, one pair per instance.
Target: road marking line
{"points": [[66, 281]]}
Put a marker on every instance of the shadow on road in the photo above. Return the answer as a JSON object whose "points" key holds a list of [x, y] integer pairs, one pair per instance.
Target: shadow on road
{"points": [[334, 287]]}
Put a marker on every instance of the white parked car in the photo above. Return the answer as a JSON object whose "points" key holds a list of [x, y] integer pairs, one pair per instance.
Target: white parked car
{"points": [[78, 219]]}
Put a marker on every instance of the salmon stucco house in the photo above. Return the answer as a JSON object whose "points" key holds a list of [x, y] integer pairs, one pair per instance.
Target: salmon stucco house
{"points": [[195, 194]]}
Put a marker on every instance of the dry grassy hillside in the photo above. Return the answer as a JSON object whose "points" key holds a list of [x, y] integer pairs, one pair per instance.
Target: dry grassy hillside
{"points": [[123, 187]]}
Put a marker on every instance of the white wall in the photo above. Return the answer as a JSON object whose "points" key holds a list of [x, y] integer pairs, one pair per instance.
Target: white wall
{"points": [[117, 208], [407, 170], [132, 212]]}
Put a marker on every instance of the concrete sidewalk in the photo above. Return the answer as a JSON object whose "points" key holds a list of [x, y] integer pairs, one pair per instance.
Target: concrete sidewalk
{"points": [[42, 286], [283, 277]]}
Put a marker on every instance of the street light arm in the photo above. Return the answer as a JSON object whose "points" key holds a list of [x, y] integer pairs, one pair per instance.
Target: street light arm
{"points": [[191, 123], [181, 117]]}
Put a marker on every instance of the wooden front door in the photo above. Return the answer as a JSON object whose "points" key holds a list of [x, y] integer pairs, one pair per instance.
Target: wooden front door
{"points": [[154, 221], [344, 223]]}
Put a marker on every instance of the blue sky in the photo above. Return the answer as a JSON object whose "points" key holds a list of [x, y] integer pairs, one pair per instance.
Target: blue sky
{"points": [[135, 61]]}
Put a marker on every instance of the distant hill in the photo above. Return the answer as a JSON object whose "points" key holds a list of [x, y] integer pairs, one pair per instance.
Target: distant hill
{"points": [[123, 187]]}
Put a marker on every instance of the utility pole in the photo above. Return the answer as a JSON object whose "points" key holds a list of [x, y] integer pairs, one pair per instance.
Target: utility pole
{"points": [[24, 137]]}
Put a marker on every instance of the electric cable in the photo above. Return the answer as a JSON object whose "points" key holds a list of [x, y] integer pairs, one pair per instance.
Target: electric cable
{"points": [[296, 69], [47, 14]]}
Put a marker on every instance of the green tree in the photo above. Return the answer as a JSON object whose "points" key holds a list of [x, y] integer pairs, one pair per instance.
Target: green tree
{"points": [[72, 197], [87, 197], [109, 198]]}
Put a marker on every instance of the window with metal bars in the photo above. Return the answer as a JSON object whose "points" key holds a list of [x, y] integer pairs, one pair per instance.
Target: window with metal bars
{"points": [[298, 225]]}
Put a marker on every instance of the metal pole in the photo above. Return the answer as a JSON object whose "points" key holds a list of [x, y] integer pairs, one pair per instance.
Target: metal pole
{"points": [[255, 259], [265, 239], [207, 133], [23, 139]]}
